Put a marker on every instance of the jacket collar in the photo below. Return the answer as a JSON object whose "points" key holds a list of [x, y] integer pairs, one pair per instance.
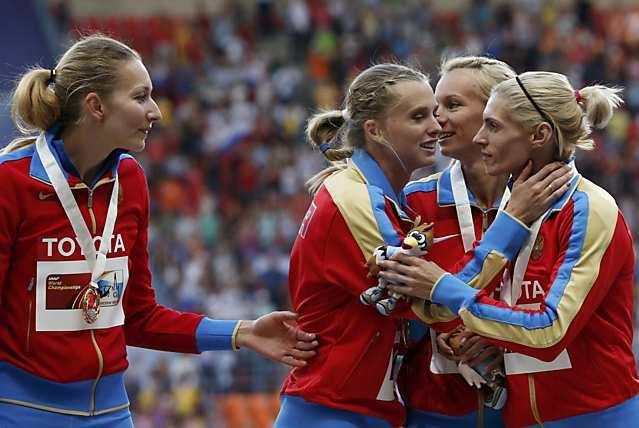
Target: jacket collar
{"points": [[445, 191], [374, 176], [107, 170]]}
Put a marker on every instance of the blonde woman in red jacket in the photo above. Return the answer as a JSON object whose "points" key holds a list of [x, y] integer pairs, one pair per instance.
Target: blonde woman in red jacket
{"points": [[75, 283]]}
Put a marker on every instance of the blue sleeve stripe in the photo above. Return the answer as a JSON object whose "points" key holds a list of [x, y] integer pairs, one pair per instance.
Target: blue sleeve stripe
{"points": [[378, 204], [214, 335], [505, 236], [452, 292], [531, 320]]}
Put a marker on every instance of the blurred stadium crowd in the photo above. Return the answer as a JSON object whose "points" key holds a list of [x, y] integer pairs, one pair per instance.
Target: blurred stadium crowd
{"points": [[228, 163]]}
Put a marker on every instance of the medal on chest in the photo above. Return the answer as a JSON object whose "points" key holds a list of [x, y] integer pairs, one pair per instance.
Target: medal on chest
{"points": [[91, 303], [538, 248], [96, 260]]}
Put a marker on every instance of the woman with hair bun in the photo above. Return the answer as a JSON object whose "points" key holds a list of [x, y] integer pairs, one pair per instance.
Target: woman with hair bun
{"points": [[565, 309], [462, 200], [75, 283], [385, 132]]}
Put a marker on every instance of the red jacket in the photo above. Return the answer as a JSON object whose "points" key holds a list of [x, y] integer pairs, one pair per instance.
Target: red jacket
{"points": [[354, 211], [574, 309], [444, 392], [42, 362]]}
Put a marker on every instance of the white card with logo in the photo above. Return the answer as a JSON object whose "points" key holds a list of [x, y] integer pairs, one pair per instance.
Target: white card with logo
{"points": [[60, 286]]}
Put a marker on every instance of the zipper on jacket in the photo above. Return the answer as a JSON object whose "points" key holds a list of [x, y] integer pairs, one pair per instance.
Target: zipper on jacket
{"points": [[90, 206], [480, 409], [100, 370], [533, 401], [361, 357], [484, 221], [29, 309]]}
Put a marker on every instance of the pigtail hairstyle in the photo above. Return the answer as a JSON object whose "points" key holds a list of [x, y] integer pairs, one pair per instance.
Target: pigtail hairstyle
{"points": [[45, 97]]}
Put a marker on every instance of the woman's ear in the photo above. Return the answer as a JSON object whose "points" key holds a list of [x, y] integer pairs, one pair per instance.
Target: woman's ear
{"points": [[542, 135], [372, 130], [94, 106]]}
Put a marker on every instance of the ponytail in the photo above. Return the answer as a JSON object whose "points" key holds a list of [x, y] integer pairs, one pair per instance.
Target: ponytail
{"points": [[34, 104]]}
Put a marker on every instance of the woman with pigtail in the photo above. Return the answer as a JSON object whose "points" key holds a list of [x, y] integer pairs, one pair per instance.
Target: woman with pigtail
{"points": [[75, 283], [565, 305], [462, 200], [385, 132]]}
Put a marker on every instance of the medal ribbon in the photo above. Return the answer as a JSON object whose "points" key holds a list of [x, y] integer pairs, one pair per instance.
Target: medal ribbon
{"points": [[95, 260], [440, 364], [462, 204]]}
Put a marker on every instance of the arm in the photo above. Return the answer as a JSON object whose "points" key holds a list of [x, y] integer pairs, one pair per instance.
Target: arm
{"points": [[480, 265], [593, 254], [363, 221], [154, 326], [148, 324], [531, 197]]}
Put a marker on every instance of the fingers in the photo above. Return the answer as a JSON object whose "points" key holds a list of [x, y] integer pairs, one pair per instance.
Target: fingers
{"points": [[289, 360], [442, 345], [306, 346], [471, 346], [548, 169], [285, 315], [298, 357], [302, 335], [487, 353], [557, 178], [404, 258], [301, 355], [466, 334], [396, 266], [395, 277]]}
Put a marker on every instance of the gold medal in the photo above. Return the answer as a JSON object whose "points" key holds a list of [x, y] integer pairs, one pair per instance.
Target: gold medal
{"points": [[91, 303], [538, 248]]}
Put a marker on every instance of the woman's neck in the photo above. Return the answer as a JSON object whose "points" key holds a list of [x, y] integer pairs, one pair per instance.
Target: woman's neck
{"points": [[487, 189], [85, 151], [540, 159]]}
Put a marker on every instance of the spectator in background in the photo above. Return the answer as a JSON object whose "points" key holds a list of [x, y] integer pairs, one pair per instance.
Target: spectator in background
{"points": [[275, 70]]}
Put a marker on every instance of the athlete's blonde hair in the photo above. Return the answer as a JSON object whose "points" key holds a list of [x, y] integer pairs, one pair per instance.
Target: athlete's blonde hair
{"points": [[44, 97], [337, 133], [572, 113], [487, 72]]}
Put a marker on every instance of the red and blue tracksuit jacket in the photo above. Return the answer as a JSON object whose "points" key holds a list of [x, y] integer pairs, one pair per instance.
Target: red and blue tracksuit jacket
{"points": [[573, 315], [444, 392], [49, 359], [354, 211]]}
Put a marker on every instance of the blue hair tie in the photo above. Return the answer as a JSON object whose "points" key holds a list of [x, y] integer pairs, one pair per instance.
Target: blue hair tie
{"points": [[324, 146]]}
